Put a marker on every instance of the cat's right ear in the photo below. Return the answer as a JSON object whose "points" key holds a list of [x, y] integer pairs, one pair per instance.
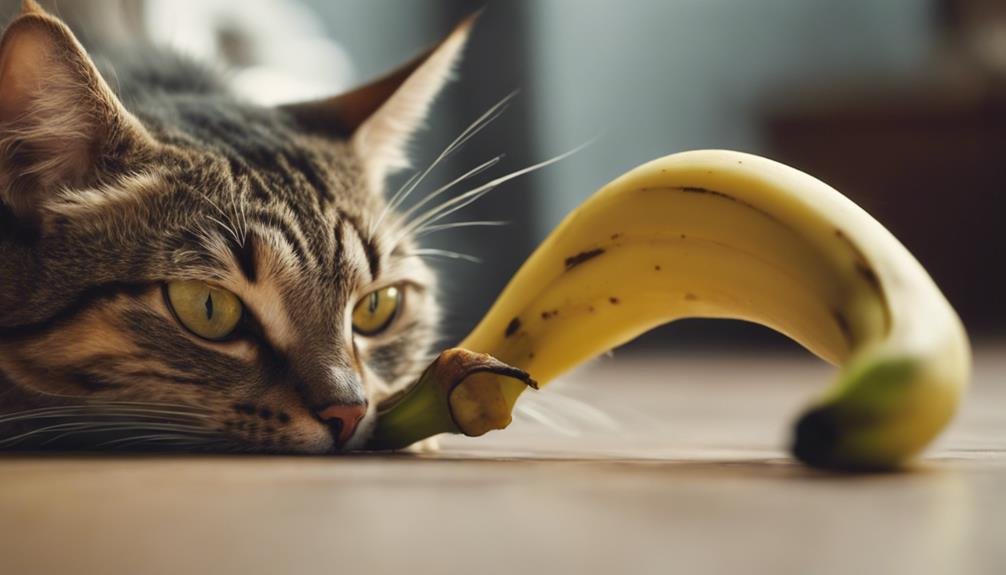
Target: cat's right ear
{"points": [[60, 123], [379, 118]]}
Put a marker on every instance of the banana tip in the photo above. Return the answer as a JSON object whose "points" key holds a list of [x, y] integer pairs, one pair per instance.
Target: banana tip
{"points": [[817, 435]]}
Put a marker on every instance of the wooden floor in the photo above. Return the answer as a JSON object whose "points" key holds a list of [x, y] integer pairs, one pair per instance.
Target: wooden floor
{"points": [[648, 465]]}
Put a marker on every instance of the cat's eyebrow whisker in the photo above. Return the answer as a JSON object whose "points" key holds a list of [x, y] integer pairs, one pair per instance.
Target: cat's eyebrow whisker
{"points": [[231, 228], [448, 207], [446, 187], [474, 128], [427, 230], [431, 252], [242, 222], [233, 233], [445, 209], [480, 123]]}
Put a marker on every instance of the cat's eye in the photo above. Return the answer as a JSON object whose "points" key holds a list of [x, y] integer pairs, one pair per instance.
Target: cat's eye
{"points": [[208, 311], [375, 312]]}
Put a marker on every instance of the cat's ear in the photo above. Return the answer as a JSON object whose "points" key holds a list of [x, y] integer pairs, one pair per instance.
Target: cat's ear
{"points": [[59, 120], [380, 117]]}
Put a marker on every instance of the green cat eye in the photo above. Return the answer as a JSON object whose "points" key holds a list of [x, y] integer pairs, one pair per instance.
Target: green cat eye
{"points": [[208, 311], [375, 312]]}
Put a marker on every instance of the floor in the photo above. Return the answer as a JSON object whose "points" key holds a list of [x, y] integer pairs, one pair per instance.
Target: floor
{"points": [[634, 464]]}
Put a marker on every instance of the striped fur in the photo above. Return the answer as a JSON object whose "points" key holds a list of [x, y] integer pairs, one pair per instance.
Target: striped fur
{"points": [[183, 181]]}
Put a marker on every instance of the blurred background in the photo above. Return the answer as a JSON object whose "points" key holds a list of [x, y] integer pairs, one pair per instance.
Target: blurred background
{"points": [[900, 104]]}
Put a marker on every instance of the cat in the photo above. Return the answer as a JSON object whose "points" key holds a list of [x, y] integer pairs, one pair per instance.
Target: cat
{"points": [[182, 270]]}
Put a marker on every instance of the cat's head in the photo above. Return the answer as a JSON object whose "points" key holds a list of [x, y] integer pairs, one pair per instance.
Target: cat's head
{"points": [[189, 271]]}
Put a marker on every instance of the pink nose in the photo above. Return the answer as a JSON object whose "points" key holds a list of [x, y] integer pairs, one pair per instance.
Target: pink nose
{"points": [[342, 420]]}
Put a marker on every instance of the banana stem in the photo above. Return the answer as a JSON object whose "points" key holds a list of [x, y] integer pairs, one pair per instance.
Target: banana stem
{"points": [[460, 392]]}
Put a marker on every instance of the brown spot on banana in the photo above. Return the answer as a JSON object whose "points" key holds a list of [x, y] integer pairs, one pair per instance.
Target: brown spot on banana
{"points": [[573, 261], [868, 275], [512, 327], [843, 324], [862, 266]]}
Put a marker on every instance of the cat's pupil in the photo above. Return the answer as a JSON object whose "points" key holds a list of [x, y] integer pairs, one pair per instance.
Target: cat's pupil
{"points": [[209, 306], [372, 303]]}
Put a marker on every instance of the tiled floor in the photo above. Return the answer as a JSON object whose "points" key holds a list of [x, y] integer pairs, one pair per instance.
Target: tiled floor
{"points": [[648, 465]]}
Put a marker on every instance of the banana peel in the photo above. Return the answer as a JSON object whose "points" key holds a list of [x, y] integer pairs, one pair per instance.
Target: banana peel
{"points": [[716, 234]]}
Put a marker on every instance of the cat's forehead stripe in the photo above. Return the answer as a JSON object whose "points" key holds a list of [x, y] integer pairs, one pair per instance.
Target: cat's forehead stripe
{"points": [[369, 249], [289, 231], [244, 253]]}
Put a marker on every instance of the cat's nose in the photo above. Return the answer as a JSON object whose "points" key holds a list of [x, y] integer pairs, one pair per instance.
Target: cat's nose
{"points": [[342, 420]]}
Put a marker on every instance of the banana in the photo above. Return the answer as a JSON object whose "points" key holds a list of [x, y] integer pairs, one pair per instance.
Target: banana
{"points": [[720, 234]]}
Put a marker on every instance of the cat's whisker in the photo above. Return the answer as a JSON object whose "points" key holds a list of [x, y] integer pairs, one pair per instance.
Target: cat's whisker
{"points": [[158, 412], [233, 233], [174, 437], [537, 415], [474, 128], [106, 413], [242, 217], [480, 123], [11, 441], [87, 402], [110, 409], [445, 209], [427, 230], [231, 229], [432, 252], [47, 429], [43, 413], [433, 215], [104, 427], [574, 411], [126, 426], [446, 187], [163, 404]]}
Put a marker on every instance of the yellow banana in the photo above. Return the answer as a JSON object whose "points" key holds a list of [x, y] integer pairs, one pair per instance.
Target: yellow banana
{"points": [[730, 235]]}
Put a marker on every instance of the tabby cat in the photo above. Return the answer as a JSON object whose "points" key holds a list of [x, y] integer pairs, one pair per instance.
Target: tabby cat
{"points": [[183, 270]]}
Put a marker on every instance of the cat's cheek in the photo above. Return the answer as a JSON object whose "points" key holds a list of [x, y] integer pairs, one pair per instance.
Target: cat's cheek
{"points": [[57, 361], [274, 420]]}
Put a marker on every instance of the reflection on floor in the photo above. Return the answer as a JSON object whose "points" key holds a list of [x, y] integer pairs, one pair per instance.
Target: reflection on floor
{"points": [[644, 465]]}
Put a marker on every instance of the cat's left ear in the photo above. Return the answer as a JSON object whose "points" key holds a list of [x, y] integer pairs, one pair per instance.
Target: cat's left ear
{"points": [[380, 117], [60, 124]]}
